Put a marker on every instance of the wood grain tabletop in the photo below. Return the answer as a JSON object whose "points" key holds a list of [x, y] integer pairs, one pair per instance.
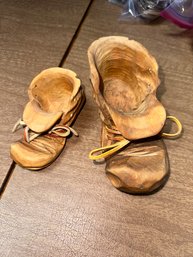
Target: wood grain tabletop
{"points": [[70, 208]]}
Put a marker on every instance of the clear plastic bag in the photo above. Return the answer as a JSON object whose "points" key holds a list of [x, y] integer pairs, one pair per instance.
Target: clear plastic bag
{"points": [[178, 11], [149, 9]]}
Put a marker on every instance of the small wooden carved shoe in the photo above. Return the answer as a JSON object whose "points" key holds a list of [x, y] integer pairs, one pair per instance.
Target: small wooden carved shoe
{"points": [[55, 99], [124, 77]]}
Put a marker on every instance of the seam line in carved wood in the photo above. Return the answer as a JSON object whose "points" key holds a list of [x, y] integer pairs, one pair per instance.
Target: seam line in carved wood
{"points": [[66, 53]]}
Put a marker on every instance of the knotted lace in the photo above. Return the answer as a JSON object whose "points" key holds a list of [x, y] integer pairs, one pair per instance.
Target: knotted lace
{"points": [[58, 130], [106, 151]]}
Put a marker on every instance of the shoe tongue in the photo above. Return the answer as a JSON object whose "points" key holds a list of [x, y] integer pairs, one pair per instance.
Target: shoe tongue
{"points": [[146, 123], [38, 120]]}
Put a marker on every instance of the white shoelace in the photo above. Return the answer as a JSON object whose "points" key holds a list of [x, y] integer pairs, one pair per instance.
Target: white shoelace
{"points": [[29, 135]]}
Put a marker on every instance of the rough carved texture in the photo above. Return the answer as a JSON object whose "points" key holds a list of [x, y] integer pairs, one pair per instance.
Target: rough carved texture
{"points": [[56, 97], [70, 209], [141, 173], [124, 77]]}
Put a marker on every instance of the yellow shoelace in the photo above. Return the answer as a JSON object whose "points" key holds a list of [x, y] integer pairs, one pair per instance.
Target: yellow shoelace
{"points": [[103, 152]]}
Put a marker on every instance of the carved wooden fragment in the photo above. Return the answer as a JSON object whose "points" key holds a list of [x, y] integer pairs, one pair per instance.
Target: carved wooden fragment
{"points": [[55, 99], [124, 77]]}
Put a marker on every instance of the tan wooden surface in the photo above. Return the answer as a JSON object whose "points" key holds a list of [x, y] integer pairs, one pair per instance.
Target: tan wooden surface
{"points": [[33, 36], [71, 209]]}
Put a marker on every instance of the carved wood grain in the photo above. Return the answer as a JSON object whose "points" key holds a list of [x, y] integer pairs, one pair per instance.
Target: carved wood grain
{"points": [[70, 209]]}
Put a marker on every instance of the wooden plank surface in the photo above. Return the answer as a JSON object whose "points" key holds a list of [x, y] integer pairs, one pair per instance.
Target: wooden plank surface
{"points": [[33, 36], [71, 209]]}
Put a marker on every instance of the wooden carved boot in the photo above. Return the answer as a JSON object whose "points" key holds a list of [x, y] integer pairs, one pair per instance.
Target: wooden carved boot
{"points": [[55, 99], [124, 77]]}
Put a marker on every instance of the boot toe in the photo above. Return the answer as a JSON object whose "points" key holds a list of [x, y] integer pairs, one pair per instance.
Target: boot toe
{"points": [[34, 155], [142, 173]]}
